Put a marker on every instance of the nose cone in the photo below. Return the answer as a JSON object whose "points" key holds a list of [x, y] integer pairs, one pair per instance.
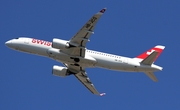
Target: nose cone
{"points": [[8, 43]]}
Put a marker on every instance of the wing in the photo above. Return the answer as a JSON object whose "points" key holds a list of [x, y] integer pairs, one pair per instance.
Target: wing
{"points": [[81, 75], [84, 33], [79, 40]]}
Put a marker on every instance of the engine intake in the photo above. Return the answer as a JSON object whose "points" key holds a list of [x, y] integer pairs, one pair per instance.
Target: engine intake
{"points": [[60, 44], [60, 71]]}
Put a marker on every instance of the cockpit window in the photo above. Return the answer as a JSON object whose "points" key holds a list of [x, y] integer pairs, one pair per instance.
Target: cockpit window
{"points": [[17, 38]]}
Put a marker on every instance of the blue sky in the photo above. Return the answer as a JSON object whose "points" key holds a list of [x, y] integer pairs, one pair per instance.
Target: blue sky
{"points": [[127, 28]]}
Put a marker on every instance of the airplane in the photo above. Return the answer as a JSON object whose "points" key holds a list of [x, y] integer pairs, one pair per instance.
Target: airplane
{"points": [[75, 57]]}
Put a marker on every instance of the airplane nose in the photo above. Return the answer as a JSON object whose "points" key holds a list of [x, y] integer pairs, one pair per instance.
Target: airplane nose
{"points": [[8, 43]]}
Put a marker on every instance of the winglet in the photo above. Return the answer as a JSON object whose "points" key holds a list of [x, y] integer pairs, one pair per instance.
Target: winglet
{"points": [[102, 11], [102, 94]]}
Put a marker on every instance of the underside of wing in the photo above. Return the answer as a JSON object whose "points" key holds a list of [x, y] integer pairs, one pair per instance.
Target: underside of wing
{"points": [[84, 79], [82, 36], [81, 75], [79, 40]]}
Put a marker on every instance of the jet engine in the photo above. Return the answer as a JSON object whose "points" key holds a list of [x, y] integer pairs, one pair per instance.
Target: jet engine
{"points": [[60, 71], [60, 44]]}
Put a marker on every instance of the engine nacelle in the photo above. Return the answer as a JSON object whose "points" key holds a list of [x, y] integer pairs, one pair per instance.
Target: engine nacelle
{"points": [[60, 71], [60, 44]]}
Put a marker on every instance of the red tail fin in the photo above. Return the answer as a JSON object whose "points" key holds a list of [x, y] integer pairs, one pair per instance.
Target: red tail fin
{"points": [[157, 48]]}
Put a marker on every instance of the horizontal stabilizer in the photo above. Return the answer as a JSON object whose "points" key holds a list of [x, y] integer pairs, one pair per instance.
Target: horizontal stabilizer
{"points": [[152, 76], [150, 59]]}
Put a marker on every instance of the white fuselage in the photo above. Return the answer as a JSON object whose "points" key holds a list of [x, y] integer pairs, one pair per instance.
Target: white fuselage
{"points": [[91, 59]]}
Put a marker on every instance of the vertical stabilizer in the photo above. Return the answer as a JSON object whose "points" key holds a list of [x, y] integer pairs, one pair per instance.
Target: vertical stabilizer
{"points": [[158, 48]]}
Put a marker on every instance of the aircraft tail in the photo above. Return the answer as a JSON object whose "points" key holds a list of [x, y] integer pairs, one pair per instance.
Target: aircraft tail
{"points": [[149, 57], [153, 53], [149, 61]]}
